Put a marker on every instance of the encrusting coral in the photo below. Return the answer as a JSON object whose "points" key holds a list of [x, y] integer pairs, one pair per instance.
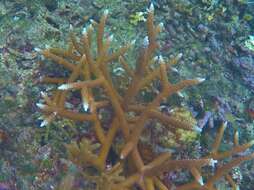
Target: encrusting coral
{"points": [[89, 74]]}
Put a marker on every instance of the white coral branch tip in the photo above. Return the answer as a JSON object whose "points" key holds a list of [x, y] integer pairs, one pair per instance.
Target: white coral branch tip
{"points": [[93, 22], [84, 31], [151, 8], [161, 25], [105, 13], [41, 106], [37, 50], [44, 123], [179, 56], [85, 106], [200, 181], [200, 79], [121, 157], [133, 42], [225, 123], [197, 129], [160, 58], [180, 94], [64, 87], [110, 38], [174, 69], [43, 94], [213, 162], [146, 41], [90, 27]]}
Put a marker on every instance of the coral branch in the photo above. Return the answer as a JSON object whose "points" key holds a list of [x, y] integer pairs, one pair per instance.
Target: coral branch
{"points": [[96, 91]]}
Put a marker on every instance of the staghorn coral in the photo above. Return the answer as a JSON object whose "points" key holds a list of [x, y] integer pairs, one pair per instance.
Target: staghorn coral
{"points": [[89, 74]]}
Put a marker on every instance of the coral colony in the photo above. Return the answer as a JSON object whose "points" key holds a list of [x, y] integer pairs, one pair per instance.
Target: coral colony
{"points": [[89, 74]]}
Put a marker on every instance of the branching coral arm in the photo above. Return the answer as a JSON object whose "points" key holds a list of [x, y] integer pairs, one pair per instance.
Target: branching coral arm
{"points": [[100, 32], [53, 80], [66, 113], [65, 53], [226, 168], [58, 59]]}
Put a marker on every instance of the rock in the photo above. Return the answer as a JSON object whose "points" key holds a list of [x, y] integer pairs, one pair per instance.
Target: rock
{"points": [[245, 66], [51, 5]]}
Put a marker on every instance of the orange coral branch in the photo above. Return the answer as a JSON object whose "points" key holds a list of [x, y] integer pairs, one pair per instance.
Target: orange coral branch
{"points": [[53, 80], [58, 59], [226, 168], [218, 138], [89, 74], [66, 113], [82, 84]]}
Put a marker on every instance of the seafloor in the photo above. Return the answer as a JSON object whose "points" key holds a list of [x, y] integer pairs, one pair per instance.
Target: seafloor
{"points": [[215, 38]]}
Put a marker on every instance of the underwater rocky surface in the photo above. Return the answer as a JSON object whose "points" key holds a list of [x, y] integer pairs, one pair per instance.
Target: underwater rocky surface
{"points": [[213, 37]]}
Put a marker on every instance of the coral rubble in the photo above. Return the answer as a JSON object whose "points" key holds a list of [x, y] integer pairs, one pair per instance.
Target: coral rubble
{"points": [[89, 75]]}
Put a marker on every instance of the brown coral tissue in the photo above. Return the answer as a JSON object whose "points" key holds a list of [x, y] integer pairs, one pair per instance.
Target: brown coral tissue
{"points": [[88, 62]]}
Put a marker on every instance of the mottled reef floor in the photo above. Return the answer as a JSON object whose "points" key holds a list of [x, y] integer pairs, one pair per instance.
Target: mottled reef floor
{"points": [[214, 38]]}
